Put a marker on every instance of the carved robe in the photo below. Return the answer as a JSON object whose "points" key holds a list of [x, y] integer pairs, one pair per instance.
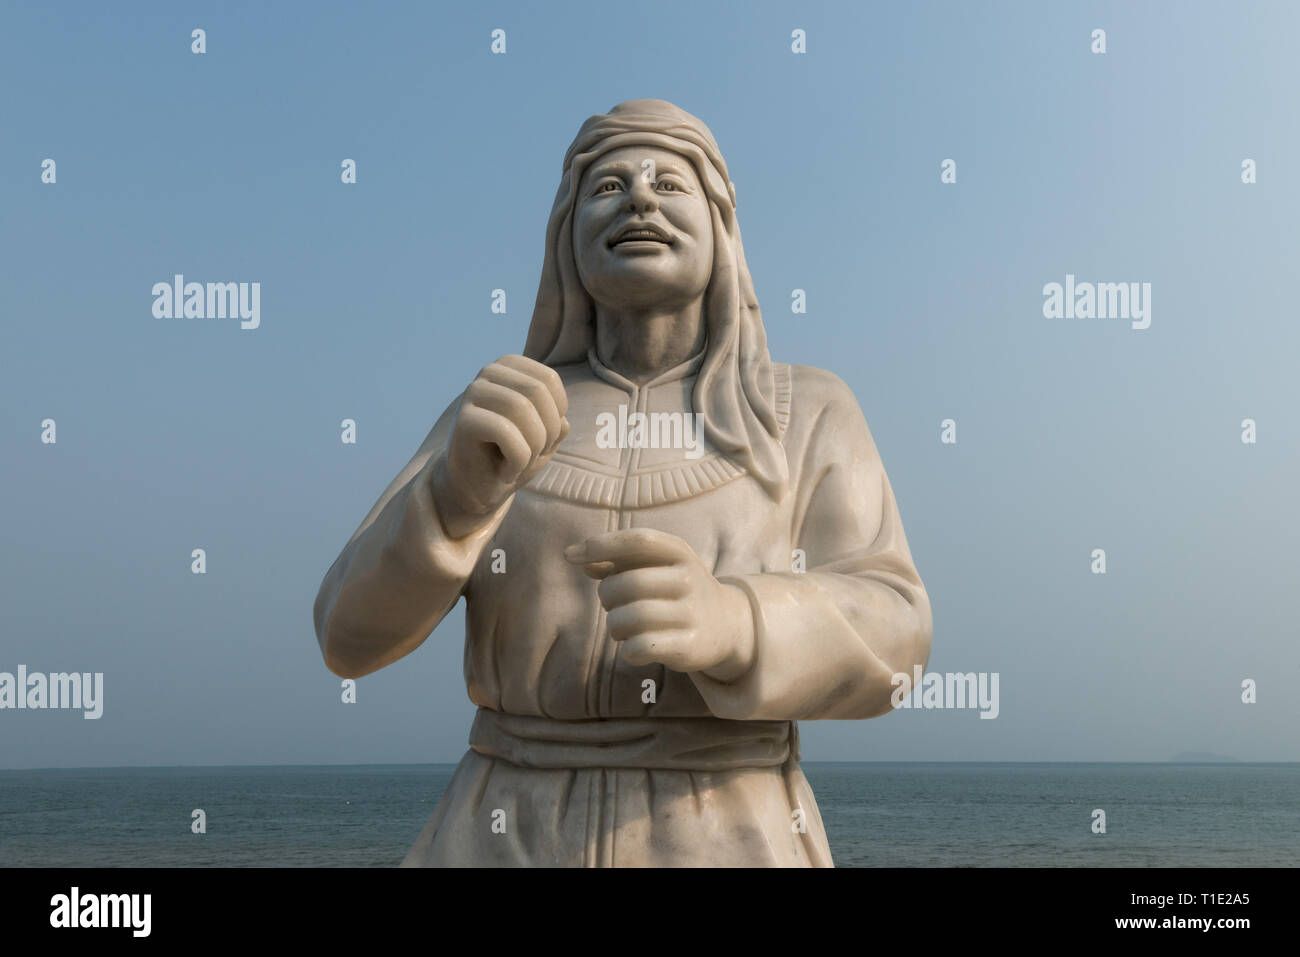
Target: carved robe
{"points": [[578, 758]]}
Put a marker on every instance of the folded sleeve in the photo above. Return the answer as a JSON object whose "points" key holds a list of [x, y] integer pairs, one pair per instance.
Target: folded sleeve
{"points": [[400, 573], [829, 639]]}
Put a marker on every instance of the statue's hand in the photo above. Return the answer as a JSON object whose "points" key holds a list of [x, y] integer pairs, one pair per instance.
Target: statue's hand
{"points": [[510, 421], [665, 606]]}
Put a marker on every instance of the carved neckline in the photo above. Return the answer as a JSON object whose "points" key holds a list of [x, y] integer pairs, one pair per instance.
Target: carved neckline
{"points": [[570, 479], [679, 371]]}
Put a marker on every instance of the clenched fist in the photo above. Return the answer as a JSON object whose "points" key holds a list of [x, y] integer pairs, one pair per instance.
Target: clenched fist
{"points": [[665, 606], [510, 421]]}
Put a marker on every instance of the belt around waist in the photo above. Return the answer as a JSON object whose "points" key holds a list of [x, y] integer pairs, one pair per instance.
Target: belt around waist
{"points": [[679, 744]]}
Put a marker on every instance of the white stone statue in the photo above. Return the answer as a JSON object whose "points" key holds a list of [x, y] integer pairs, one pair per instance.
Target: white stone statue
{"points": [[671, 548]]}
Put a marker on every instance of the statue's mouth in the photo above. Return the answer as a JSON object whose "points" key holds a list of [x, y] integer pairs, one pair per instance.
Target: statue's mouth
{"points": [[640, 233]]}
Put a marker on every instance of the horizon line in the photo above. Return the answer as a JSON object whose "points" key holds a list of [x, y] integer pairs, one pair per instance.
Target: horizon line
{"points": [[430, 764]]}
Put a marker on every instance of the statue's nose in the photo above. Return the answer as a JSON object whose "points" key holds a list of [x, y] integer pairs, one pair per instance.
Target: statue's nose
{"points": [[642, 198]]}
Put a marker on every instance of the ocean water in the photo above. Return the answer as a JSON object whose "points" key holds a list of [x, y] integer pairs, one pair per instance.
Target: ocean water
{"points": [[876, 814]]}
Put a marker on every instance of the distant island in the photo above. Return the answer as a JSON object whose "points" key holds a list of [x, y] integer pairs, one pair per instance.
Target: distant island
{"points": [[1203, 757]]}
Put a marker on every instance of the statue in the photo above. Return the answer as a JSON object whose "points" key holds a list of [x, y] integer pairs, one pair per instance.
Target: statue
{"points": [[671, 548]]}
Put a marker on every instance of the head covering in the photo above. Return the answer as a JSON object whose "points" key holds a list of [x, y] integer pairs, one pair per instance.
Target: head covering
{"points": [[735, 391]]}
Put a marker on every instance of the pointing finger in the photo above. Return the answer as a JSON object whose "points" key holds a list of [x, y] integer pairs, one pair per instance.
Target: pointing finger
{"points": [[631, 548]]}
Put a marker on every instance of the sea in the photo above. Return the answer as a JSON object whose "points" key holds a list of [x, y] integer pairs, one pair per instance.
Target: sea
{"points": [[875, 814]]}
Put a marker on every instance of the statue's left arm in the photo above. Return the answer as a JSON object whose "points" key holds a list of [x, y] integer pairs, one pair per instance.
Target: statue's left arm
{"points": [[828, 640]]}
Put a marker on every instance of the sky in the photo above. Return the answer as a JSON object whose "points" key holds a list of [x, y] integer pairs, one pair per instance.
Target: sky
{"points": [[926, 297]]}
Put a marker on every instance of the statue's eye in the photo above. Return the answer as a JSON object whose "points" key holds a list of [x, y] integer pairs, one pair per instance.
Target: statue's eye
{"points": [[609, 186], [671, 187]]}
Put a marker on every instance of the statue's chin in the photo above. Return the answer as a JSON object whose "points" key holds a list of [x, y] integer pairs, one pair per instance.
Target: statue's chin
{"points": [[658, 278], [648, 295]]}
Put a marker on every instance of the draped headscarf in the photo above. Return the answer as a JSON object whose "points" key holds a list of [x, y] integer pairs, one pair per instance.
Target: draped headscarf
{"points": [[735, 390]]}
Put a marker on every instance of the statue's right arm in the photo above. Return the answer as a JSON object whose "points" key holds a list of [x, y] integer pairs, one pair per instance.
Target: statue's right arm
{"points": [[401, 572]]}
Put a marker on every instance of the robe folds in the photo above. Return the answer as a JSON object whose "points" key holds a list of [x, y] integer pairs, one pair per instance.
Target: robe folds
{"points": [[571, 760]]}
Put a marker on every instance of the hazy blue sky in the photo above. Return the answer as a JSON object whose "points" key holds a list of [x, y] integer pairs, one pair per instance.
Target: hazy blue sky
{"points": [[925, 297]]}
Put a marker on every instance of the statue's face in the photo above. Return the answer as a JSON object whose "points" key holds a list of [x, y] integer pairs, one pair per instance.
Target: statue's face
{"points": [[668, 262]]}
